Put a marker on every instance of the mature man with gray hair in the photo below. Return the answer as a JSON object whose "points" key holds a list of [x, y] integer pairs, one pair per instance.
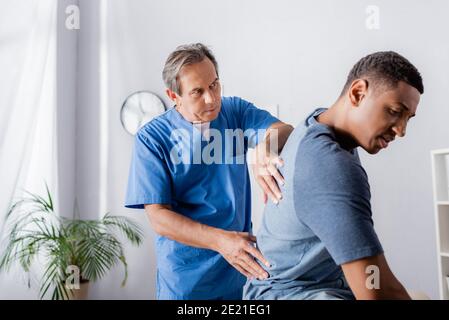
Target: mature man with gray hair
{"points": [[193, 181]]}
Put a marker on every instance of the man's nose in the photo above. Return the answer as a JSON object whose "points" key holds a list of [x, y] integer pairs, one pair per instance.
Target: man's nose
{"points": [[400, 128], [209, 97]]}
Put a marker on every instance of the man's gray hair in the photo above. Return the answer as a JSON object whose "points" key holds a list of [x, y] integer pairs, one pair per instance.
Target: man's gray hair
{"points": [[182, 56]]}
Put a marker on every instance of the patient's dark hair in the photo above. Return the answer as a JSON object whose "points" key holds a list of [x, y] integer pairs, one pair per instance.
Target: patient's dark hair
{"points": [[385, 68]]}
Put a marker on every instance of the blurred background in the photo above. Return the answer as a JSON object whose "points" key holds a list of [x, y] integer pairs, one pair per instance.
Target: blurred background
{"points": [[68, 66]]}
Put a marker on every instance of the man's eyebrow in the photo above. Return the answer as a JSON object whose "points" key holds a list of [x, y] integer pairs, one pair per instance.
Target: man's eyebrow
{"points": [[195, 89], [198, 88], [406, 108]]}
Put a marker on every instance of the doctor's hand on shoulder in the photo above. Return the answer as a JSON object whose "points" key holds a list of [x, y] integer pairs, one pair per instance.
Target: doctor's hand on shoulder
{"points": [[265, 166]]}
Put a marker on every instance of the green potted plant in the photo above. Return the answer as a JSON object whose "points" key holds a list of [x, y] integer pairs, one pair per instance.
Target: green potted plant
{"points": [[65, 247]]}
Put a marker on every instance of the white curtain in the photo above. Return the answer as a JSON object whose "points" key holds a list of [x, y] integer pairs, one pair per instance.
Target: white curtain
{"points": [[28, 155], [28, 33]]}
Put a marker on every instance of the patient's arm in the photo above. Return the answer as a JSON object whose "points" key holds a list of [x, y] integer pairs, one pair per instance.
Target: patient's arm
{"points": [[358, 272]]}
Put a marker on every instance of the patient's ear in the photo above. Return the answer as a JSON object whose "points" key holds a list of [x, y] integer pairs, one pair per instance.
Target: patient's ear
{"points": [[357, 91]]}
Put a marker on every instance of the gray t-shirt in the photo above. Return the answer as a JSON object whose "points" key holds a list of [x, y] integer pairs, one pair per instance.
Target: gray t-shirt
{"points": [[323, 221]]}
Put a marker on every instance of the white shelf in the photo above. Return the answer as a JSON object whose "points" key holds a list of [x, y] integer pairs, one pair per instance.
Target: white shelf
{"points": [[440, 177], [440, 152], [444, 272], [440, 173]]}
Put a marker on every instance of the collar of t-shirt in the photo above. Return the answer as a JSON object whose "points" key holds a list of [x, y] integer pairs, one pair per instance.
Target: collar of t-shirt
{"points": [[203, 127]]}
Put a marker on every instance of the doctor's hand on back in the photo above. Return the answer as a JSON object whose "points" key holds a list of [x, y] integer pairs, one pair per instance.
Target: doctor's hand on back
{"points": [[237, 248]]}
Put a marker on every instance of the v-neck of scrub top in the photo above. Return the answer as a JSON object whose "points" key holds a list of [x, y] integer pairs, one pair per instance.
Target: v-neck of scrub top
{"points": [[203, 129]]}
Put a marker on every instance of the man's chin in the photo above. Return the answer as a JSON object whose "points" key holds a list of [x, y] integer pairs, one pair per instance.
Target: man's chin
{"points": [[210, 118], [210, 115], [373, 151]]}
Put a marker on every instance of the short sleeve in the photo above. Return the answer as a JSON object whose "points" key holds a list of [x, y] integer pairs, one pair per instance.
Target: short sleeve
{"points": [[332, 197], [253, 119], [149, 181]]}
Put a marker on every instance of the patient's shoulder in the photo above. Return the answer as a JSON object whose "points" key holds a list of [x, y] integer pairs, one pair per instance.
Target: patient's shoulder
{"points": [[320, 157], [319, 139]]}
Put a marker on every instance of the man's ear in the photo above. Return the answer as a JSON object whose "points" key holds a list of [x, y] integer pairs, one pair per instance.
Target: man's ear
{"points": [[170, 94], [357, 91]]}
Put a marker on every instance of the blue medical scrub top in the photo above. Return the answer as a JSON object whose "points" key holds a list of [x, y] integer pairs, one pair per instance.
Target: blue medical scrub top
{"points": [[173, 164]]}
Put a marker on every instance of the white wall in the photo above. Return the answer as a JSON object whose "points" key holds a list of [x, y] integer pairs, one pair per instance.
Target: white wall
{"points": [[67, 99], [91, 136]]}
